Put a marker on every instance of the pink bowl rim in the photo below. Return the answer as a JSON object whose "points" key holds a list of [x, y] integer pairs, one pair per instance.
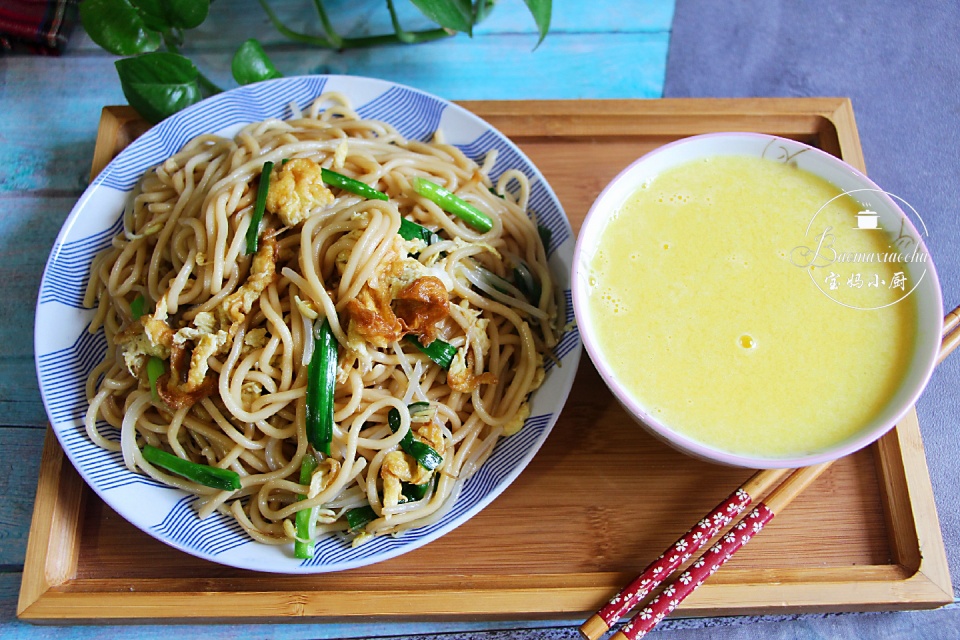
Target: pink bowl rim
{"points": [[698, 449]]}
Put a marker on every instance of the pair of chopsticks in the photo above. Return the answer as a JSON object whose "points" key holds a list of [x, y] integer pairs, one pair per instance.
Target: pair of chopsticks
{"points": [[692, 541], [794, 481]]}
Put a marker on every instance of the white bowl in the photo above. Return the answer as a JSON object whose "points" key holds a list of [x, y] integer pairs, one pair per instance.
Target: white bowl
{"points": [[843, 176]]}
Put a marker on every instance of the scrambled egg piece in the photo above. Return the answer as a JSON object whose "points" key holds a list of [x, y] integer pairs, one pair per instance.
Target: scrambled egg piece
{"points": [[207, 340], [476, 330], [516, 423], [380, 319], [399, 299], [371, 320], [256, 338], [207, 346], [237, 305], [477, 335], [136, 347], [205, 322], [253, 340], [325, 473], [340, 154], [400, 467], [306, 308], [156, 326], [421, 306], [539, 375], [249, 392], [460, 376], [295, 189], [146, 337], [430, 433]]}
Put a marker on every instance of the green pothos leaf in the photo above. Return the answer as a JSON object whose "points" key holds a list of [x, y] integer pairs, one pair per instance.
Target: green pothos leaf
{"points": [[451, 14], [159, 84], [118, 27], [186, 14], [178, 14], [481, 9], [541, 10], [153, 14], [251, 64]]}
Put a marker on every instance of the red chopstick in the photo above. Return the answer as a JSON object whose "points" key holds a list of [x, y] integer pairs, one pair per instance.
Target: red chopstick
{"points": [[681, 551], [715, 557]]}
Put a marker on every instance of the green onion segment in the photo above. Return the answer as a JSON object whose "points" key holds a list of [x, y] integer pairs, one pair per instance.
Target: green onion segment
{"points": [[527, 283], [215, 477], [351, 185], [425, 455], [410, 230], [303, 547], [253, 231], [418, 407], [414, 492], [321, 380], [359, 518], [138, 307], [439, 351], [452, 203], [155, 369], [545, 236]]}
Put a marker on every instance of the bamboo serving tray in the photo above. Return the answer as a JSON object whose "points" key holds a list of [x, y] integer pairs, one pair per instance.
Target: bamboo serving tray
{"points": [[596, 504]]}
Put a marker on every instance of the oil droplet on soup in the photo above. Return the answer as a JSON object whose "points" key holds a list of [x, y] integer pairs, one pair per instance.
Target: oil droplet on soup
{"points": [[808, 374]]}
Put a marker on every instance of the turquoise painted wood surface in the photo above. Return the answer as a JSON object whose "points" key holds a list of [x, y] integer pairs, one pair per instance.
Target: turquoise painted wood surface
{"points": [[48, 122], [48, 127]]}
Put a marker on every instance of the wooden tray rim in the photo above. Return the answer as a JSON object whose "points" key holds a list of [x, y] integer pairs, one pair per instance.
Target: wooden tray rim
{"points": [[918, 577]]}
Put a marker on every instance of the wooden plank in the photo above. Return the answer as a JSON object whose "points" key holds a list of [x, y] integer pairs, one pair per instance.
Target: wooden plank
{"points": [[31, 159], [28, 232], [54, 542], [925, 624], [631, 67], [908, 501], [639, 16], [863, 537], [18, 485], [20, 403], [13, 629], [226, 27], [848, 136], [799, 118]]}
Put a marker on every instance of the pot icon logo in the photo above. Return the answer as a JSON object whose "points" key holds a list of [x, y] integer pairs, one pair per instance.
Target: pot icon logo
{"points": [[868, 219]]}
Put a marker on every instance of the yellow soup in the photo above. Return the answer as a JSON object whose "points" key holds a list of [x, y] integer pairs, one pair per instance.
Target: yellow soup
{"points": [[706, 306]]}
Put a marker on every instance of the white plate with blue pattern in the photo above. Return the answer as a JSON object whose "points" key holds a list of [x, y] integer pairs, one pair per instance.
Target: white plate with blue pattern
{"points": [[66, 352]]}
